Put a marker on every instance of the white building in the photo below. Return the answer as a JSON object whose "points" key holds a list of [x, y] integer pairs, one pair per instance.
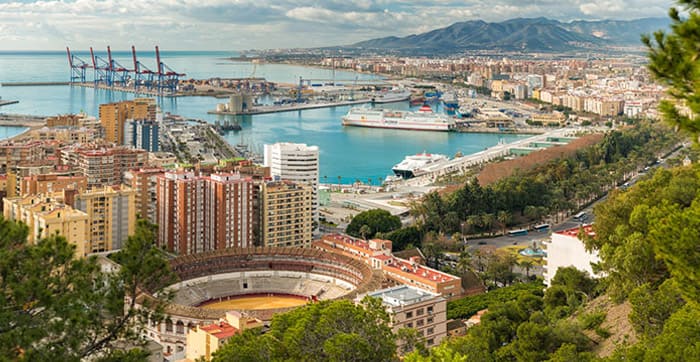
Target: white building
{"points": [[295, 162], [565, 249]]}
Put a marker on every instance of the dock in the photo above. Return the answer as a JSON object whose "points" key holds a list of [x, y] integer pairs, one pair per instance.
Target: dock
{"points": [[291, 107], [7, 103], [31, 84], [21, 120]]}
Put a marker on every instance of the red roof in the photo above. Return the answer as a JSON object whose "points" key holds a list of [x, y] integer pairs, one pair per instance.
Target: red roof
{"points": [[220, 330], [420, 271], [588, 229]]}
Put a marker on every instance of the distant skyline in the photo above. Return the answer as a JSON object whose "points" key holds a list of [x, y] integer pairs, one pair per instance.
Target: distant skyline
{"points": [[265, 24]]}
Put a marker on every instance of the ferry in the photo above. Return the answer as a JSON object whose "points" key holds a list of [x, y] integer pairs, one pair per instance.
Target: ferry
{"points": [[414, 165], [392, 96], [422, 120]]}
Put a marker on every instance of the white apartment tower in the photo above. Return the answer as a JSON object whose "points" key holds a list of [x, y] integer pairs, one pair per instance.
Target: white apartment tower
{"points": [[295, 162]]}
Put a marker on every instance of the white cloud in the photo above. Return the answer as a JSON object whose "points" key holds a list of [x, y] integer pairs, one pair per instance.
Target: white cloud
{"points": [[217, 24]]}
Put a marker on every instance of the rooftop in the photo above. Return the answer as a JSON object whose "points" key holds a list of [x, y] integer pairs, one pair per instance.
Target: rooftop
{"points": [[420, 271], [220, 330], [573, 232], [402, 295]]}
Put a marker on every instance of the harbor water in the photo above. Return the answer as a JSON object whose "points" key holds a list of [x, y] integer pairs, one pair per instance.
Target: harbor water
{"points": [[363, 154]]}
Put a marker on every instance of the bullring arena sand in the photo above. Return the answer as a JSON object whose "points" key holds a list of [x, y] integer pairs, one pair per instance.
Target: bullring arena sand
{"points": [[257, 302]]}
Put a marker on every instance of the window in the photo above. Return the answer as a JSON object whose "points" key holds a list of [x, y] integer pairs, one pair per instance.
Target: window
{"points": [[430, 342], [419, 311], [430, 330], [430, 320], [430, 310], [419, 323], [409, 314], [409, 325]]}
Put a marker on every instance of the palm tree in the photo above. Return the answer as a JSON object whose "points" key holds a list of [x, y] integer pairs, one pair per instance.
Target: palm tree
{"points": [[325, 179], [504, 218], [472, 222], [527, 265], [339, 178], [488, 220], [465, 262]]}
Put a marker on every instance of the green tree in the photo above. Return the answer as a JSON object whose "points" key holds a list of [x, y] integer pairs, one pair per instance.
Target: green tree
{"points": [[365, 230], [55, 306], [325, 331], [378, 221]]}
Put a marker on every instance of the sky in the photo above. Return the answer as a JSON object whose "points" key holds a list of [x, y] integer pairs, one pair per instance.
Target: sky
{"points": [[268, 24]]}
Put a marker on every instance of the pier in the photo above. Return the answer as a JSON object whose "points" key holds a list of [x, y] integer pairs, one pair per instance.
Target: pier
{"points": [[31, 84], [7, 103], [20, 120], [291, 107]]}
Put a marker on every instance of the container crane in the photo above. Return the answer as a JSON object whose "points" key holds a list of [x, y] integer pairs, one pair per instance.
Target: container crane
{"points": [[77, 67], [102, 69], [118, 73], [167, 77], [142, 75]]}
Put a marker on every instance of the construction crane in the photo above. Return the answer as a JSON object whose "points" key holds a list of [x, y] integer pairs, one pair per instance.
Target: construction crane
{"points": [[142, 75], [167, 77], [77, 67]]}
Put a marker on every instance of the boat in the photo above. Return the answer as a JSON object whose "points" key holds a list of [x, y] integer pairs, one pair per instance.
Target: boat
{"points": [[422, 120], [415, 165], [450, 102], [392, 96]]}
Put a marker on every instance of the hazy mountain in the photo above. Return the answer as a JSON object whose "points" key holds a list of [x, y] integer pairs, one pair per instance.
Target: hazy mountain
{"points": [[530, 35]]}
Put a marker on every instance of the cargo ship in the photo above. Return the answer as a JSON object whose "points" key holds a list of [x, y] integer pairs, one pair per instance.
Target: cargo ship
{"points": [[422, 120], [414, 165]]}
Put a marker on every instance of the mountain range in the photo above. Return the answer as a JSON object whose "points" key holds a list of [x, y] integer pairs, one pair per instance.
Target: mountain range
{"points": [[522, 34]]}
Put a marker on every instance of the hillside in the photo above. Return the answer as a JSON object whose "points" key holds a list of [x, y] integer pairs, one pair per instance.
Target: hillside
{"points": [[527, 35]]}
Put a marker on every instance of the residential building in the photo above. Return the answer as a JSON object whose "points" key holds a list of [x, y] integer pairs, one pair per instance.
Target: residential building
{"points": [[64, 134], [45, 215], [410, 307], [201, 213], [17, 153], [203, 341], [565, 249], [286, 214], [295, 162], [377, 253], [112, 214], [113, 116], [50, 183], [103, 166], [143, 181], [142, 134]]}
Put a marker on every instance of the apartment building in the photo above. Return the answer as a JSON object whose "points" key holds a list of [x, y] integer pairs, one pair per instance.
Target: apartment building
{"points": [[295, 162], [286, 214], [143, 181], [103, 166], [113, 116], [565, 249], [50, 183], [202, 213], [410, 307], [112, 214]]}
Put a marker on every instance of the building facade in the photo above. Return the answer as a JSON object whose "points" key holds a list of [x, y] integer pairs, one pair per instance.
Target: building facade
{"points": [[143, 181], [286, 214], [203, 341], [565, 249], [103, 166], [142, 134], [295, 162], [50, 183], [197, 213], [411, 307], [112, 214], [113, 116]]}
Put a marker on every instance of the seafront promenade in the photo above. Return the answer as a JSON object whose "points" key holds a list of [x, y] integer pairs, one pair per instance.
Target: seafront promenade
{"points": [[461, 164]]}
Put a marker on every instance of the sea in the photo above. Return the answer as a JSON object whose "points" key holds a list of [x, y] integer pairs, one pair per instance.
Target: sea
{"points": [[351, 153]]}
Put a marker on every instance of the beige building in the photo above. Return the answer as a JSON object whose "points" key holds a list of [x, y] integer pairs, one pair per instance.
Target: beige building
{"points": [[202, 341], [411, 307], [103, 166], [49, 183], [286, 212], [113, 116], [112, 213], [143, 181], [47, 215]]}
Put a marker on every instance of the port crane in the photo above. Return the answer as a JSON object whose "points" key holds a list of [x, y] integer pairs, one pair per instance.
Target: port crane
{"points": [[77, 67], [142, 75], [167, 77], [119, 73], [102, 70]]}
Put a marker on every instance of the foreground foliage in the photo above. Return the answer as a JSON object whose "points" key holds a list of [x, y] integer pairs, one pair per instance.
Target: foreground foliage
{"points": [[324, 331], [56, 307]]}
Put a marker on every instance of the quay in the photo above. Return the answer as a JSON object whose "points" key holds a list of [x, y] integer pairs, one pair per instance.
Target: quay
{"points": [[31, 84], [7, 103], [20, 120], [291, 107], [461, 164]]}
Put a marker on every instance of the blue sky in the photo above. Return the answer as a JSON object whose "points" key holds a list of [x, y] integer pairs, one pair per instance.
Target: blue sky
{"points": [[256, 24]]}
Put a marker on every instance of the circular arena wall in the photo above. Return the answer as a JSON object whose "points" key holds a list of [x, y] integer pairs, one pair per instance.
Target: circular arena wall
{"points": [[236, 273]]}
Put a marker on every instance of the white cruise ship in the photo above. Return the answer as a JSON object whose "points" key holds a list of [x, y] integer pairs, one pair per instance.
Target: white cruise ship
{"points": [[422, 120], [414, 165]]}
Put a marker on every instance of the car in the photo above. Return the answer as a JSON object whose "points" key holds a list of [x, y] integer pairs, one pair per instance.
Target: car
{"points": [[481, 242]]}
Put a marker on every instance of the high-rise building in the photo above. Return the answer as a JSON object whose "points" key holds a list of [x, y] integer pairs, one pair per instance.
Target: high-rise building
{"points": [[197, 213], [113, 116], [143, 181], [142, 134], [112, 214], [286, 214], [298, 163]]}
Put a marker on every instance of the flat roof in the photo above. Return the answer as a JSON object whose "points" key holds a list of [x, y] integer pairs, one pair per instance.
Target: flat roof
{"points": [[420, 272], [573, 232], [402, 295]]}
